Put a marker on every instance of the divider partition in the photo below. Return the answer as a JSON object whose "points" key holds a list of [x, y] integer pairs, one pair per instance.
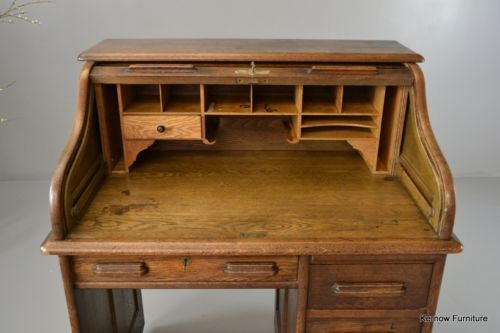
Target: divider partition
{"points": [[310, 112]]}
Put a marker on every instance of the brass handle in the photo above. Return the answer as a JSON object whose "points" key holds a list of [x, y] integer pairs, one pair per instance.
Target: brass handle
{"points": [[120, 269], [160, 129], [251, 268], [172, 68], [368, 289]]}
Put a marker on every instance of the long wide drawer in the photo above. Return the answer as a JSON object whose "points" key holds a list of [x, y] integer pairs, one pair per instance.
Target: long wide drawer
{"points": [[185, 269], [369, 286], [161, 127], [374, 325]]}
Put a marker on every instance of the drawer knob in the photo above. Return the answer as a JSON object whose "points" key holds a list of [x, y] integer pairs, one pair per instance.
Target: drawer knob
{"points": [[120, 269], [160, 129], [251, 268]]}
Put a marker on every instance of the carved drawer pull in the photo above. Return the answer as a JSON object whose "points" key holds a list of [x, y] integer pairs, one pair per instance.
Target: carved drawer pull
{"points": [[120, 269], [367, 289], [172, 68], [251, 268], [343, 69]]}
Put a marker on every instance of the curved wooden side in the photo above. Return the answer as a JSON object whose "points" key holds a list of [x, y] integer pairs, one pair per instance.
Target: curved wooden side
{"points": [[424, 170], [81, 166]]}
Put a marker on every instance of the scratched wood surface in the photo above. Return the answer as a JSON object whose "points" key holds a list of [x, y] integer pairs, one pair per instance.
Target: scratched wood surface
{"points": [[250, 195]]}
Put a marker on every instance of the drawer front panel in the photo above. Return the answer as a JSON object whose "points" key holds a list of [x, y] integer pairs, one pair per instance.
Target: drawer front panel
{"points": [[185, 269], [369, 286], [353, 325], [161, 127]]}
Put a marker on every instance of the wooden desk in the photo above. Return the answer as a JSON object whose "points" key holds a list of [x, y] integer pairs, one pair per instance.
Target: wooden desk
{"points": [[304, 166]]}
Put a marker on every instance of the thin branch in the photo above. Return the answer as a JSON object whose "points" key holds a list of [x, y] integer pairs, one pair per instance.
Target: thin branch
{"points": [[15, 12]]}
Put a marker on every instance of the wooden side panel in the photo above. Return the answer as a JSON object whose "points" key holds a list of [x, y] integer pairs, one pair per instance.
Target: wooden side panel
{"points": [[422, 165], [107, 310], [80, 168], [392, 127], [109, 124]]}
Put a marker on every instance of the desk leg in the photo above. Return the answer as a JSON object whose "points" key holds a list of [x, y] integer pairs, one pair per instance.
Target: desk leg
{"points": [[102, 310], [291, 304]]}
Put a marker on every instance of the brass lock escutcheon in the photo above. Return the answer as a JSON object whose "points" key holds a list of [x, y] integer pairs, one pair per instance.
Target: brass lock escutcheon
{"points": [[252, 71]]}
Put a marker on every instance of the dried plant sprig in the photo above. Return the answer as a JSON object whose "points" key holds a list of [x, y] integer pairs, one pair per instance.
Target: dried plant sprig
{"points": [[16, 12], [7, 86]]}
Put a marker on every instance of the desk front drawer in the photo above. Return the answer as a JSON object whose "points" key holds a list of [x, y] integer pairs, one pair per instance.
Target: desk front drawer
{"points": [[369, 286], [161, 127], [185, 269]]}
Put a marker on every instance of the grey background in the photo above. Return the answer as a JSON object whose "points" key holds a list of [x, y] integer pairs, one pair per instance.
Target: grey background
{"points": [[458, 38]]}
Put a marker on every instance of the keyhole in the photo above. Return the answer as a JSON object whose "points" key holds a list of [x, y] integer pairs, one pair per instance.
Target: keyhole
{"points": [[185, 263]]}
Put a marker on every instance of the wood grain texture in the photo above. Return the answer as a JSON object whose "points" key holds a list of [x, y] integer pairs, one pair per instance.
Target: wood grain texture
{"points": [[412, 282], [276, 74], [249, 50], [146, 211], [366, 325], [302, 294], [351, 250], [442, 179], [392, 128], [182, 269], [131, 149], [109, 124], [339, 246], [69, 293], [161, 127], [151, 203], [432, 301], [68, 172]]}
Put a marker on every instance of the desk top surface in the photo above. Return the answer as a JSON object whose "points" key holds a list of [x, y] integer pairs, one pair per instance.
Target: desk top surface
{"points": [[266, 50], [249, 202]]}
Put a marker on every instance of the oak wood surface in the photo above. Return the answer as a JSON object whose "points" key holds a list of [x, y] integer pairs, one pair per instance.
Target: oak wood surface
{"points": [[210, 217], [184, 269], [367, 325], [441, 177], [369, 286], [196, 195], [231, 73], [82, 150], [249, 50], [161, 127], [340, 246]]}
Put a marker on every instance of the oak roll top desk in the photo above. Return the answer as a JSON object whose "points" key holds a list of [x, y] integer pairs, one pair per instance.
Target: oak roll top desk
{"points": [[305, 166]]}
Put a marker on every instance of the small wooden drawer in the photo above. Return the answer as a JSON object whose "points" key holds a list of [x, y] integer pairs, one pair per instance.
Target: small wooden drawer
{"points": [[161, 127], [353, 325], [369, 286], [185, 269]]}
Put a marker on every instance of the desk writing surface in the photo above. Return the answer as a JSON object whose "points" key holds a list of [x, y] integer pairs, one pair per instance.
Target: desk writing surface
{"points": [[250, 196]]}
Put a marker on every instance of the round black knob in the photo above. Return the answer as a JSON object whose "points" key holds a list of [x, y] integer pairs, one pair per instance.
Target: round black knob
{"points": [[160, 129]]}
